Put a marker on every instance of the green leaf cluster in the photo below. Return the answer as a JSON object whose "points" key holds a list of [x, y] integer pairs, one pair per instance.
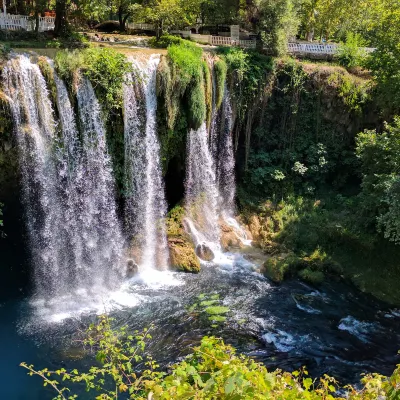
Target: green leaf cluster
{"points": [[213, 371]]}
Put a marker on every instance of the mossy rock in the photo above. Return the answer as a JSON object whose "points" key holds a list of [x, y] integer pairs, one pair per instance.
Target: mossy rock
{"points": [[281, 267], [310, 276], [182, 255], [217, 310]]}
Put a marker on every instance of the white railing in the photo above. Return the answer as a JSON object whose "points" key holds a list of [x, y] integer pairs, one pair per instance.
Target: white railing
{"points": [[221, 41], [13, 22], [142, 27], [312, 48], [322, 49], [247, 44]]}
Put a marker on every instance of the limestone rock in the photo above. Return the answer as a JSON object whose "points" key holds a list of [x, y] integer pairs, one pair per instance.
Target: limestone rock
{"points": [[204, 252], [229, 241], [132, 269], [182, 255]]}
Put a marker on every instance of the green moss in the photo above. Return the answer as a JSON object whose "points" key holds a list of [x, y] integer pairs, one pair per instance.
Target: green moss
{"points": [[208, 90], [220, 70], [181, 250], [217, 310], [310, 276], [279, 268], [48, 74], [208, 303], [217, 318], [197, 103]]}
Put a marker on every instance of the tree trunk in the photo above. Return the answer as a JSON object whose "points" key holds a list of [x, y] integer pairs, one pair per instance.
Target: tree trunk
{"points": [[61, 18], [124, 22], [159, 29], [37, 22], [120, 19]]}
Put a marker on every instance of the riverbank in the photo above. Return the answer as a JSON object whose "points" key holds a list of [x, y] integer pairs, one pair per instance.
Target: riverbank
{"points": [[323, 239]]}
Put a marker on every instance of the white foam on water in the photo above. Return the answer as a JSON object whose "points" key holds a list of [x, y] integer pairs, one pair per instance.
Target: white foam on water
{"points": [[360, 329], [307, 309], [98, 300], [284, 341]]}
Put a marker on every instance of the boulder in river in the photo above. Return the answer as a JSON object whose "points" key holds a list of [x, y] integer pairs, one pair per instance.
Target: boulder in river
{"points": [[204, 252], [182, 255], [229, 238]]}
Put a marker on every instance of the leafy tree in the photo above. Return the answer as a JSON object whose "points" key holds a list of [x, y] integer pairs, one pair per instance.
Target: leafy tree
{"points": [[384, 61], [276, 21], [351, 52], [380, 158], [163, 13]]}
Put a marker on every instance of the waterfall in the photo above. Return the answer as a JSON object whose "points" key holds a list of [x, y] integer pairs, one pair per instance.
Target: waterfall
{"points": [[225, 160], [145, 207], [67, 186], [100, 230], [210, 181], [201, 192]]}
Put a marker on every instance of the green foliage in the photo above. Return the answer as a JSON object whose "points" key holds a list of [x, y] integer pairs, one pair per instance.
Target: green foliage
{"points": [[351, 53], [278, 22], [302, 138], [354, 92], [384, 61], [118, 352], [105, 67], [213, 371], [216, 310], [197, 104], [182, 256], [47, 72], [249, 72], [281, 267], [327, 235], [208, 88], [380, 198]]}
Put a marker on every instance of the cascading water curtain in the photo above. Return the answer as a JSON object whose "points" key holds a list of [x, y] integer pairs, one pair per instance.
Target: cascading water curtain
{"points": [[73, 230], [201, 193], [145, 205], [100, 229], [35, 131]]}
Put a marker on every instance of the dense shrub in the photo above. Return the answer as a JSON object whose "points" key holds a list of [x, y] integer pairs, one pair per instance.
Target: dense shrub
{"points": [[165, 41], [351, 53], [380, 197]]}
